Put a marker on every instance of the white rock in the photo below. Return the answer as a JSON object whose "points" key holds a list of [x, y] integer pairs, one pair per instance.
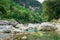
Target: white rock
{"points": [[47, 25], [33, 25], [39, 27], [13, 22], [16, 31], [5, 28], [58, 27], [19, 25], [24, 38]]}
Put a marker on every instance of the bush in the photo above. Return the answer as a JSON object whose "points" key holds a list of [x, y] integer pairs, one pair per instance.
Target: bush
{"points": [[37, 36]]}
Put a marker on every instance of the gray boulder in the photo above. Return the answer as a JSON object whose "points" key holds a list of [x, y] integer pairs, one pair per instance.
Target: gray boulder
{"points": [[47, 26], [6, 28], [16, 31]]}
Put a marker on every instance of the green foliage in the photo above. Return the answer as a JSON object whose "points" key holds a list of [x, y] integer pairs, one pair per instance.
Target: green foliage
{"points": [[11, 10], [37, 36], [5, 8], [22, 14], [51, 10]]}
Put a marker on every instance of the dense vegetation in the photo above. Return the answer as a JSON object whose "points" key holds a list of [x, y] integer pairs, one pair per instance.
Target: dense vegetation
{"points": [[9, 9], [37, 36], [12, 10], [34, 5], [51, 10]]}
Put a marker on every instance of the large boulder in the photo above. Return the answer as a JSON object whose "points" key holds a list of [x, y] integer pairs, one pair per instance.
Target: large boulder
{"points": [[20, 25], [58, 27], [47, 26], [6, 28], [19, 28], [13, 22], [33, 25], [16, 31]]}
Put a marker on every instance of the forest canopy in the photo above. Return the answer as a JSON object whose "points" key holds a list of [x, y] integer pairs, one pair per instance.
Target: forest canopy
{"points": [[12, 10], [51, 10]]}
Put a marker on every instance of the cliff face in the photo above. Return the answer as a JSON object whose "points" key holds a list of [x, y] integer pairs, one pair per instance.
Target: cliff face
{"points": [[31, 4]]}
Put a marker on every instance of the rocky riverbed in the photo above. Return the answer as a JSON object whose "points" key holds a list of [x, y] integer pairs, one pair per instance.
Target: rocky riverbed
{"points": [[5, 36], [6, 30]]}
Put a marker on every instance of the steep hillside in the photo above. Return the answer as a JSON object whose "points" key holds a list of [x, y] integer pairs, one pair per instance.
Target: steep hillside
{"points": [[31, 4], [11, 10]]}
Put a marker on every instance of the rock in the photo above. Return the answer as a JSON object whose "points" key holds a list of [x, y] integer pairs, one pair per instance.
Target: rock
{"points": [[24, 38], [4, 22], [16, 31], [20, 25], [47, 26], [58, 27], [13, 22], [39, 27], [6, 31], [33, 25], [6, 28], [58, 21]]}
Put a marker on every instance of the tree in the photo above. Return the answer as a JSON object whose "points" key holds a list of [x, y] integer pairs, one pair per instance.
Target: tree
{"points": [[51, 10], [11, 10]]}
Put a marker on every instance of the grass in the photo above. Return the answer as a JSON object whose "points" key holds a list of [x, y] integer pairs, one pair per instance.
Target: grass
{"points": [[37, 36]]}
